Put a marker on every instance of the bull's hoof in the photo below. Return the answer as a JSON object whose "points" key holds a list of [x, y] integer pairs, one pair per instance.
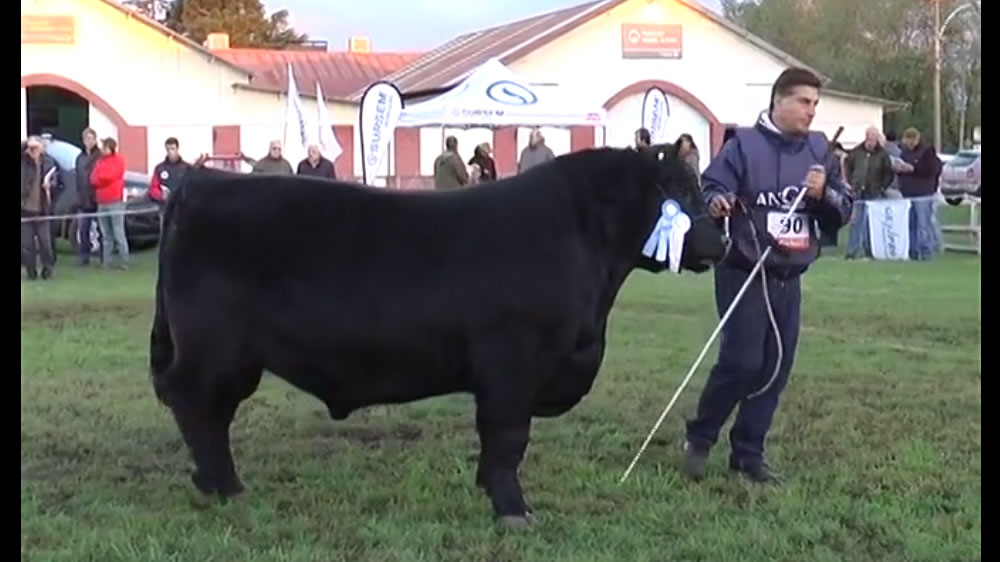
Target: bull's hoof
{"points": [[517, 522], [231, 491], [201, 500]]}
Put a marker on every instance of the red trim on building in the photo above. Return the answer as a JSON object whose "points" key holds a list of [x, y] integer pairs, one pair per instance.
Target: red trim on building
{"points": [[581, 138], [344, 166], [226, 139], [715, 127], [505, 150], [406, 151], [132, 139]]}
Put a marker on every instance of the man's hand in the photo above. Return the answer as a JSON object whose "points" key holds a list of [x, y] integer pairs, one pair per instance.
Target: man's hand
{"points": [[815, 182], [720, 207], [902, 167]]}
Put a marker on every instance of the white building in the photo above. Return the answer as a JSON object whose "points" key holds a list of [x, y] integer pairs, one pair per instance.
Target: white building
{"points": [[221, 101]]}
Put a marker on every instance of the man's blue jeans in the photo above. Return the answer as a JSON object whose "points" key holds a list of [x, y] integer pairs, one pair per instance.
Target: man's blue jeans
{"points": [[113, 232], [924, 238], [858, 239]]}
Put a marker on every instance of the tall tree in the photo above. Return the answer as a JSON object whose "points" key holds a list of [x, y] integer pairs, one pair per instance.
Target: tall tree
{"points": [[155, 9], [882, 48], [246, 22]]}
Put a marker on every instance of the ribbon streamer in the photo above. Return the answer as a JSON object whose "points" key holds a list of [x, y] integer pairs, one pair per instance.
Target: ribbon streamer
{"points": [[667, 239]]}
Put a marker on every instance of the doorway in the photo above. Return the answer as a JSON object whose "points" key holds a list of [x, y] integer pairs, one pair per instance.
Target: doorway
{"points": [[58, 112]]}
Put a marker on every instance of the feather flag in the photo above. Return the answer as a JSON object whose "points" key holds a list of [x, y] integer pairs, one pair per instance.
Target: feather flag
{"points": [[328, 144]]}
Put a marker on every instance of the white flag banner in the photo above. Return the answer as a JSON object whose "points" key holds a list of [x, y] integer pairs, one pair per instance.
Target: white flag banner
{"points": [[655, 111], [301, 134], [381, 105], [328, 144], [889, 228]]}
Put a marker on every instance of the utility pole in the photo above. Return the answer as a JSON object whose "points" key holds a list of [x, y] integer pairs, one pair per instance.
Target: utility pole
{"points": [[938, 31], [939, 28]]}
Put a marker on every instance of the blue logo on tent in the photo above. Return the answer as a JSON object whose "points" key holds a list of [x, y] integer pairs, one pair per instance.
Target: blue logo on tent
{"points": [[510, 93]]}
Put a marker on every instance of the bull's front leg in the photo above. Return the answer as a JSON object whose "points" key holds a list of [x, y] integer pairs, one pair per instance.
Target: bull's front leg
{"points": [[503, 441]]}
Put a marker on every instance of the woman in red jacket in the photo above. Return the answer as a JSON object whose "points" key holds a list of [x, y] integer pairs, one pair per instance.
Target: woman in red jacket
{"points": [[108, 179]]}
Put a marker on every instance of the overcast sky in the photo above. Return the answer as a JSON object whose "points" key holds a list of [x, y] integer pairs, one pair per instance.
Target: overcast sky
{"points": [[410, 25]]}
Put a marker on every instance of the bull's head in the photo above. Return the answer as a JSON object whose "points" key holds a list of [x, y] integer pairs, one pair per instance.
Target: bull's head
{"points": [[680, 204]]}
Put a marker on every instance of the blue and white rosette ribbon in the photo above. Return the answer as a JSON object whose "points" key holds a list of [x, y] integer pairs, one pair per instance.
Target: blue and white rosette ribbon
{"points": [[667, 238]]}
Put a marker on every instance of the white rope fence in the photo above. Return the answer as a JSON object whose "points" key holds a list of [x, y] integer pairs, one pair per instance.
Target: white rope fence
{"points": [[42, 218]]}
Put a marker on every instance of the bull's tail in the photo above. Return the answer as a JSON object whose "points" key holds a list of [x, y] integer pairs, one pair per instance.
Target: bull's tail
{"points": [[161, 345], [162, 352]]}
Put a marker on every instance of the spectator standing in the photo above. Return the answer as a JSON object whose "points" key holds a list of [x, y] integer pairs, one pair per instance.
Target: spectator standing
{"points": [[688, 151], [168, 173], [868, 170], [482, 158], [316, 165], [273, 163], [535, 153], [918, 181], [85, 196], [38, 173], [449, 170], [643, 139], [108, 179], [891, 146]]}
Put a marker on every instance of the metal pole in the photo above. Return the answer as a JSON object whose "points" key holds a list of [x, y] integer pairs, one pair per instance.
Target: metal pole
{"points": [[937, 75]]}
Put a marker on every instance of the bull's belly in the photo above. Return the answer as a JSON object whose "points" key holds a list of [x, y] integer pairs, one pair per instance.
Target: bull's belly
{"points": [[348, 378], [570, 380]]}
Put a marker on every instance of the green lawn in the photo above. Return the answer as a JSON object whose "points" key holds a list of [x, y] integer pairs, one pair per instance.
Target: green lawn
{"points": [[878, 434]]}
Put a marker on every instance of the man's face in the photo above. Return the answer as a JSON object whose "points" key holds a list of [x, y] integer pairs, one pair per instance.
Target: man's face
{"points": [[535, 138], [89, 141], [34, 149], [871, 138], [794, 112], [172, 151], [910, 142], [314, 153], [274, 151]]}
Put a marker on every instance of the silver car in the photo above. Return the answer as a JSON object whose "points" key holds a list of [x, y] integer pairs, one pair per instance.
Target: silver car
{"points": [[961, 176]]}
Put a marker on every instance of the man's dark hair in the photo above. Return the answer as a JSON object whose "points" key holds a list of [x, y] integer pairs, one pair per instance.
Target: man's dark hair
{"points": [[792, 78], [451, 143], [171, 141], [644, 135]]}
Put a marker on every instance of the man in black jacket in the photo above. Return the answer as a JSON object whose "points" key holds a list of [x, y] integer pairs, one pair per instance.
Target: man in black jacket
{"points": [[38, 174], [316, 165], [919, 172], [86, 199]]}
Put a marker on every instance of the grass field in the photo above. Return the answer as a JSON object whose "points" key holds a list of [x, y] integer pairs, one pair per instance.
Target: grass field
{"points": [[878, 434]]}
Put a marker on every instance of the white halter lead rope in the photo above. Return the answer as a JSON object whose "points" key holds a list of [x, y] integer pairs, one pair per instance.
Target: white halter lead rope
{"points": [[715, 334]]}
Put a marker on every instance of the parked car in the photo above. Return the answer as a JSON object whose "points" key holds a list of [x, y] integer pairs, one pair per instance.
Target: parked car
{"points": [[141, 230], [962, 176]]}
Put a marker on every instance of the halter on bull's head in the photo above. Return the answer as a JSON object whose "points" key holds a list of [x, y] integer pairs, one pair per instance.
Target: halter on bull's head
{"points": [[684, 235]]}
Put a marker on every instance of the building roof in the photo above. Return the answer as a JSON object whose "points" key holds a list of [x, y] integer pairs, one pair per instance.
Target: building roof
{"points": [[445, 66], [885, 103], [339, 73], [157, 26]]}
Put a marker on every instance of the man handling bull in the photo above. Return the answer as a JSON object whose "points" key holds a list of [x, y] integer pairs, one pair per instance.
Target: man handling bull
{"points": [[754, 181]]}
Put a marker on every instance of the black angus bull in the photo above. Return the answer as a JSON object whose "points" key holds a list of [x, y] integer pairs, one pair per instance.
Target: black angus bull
{"points": [[363, 296]]}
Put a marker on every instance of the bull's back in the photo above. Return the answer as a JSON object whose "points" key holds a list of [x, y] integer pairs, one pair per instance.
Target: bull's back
{"points": [[320, 262]]}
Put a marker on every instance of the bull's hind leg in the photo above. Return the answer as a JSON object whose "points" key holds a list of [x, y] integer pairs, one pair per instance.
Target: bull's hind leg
{"points": [[203, 417]]}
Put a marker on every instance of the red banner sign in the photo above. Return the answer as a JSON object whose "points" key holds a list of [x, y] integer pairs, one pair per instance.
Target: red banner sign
{"points": [[652, 41]]}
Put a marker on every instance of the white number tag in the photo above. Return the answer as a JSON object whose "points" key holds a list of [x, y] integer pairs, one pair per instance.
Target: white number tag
{"points": [[791, 233]]}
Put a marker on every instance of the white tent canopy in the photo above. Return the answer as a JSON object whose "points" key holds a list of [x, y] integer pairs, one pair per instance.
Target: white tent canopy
{"points": [[493, 96]]}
